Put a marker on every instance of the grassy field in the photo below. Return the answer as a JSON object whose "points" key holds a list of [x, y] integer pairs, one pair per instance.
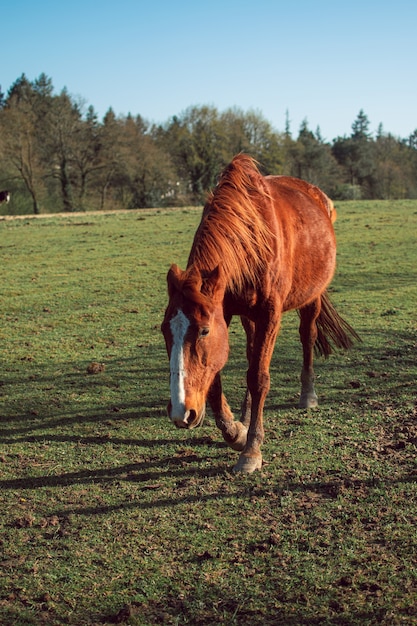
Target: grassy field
{"points": [[109, 515]]}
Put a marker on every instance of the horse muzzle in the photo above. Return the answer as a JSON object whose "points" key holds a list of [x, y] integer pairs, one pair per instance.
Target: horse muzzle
{"points": [[189, 419]]}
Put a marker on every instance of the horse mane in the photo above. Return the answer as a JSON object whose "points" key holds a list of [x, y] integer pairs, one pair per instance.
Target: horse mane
{"points": [[233, 232]]}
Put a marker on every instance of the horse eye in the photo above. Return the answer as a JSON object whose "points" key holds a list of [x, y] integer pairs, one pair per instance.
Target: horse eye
{"points": [[204, 331]]}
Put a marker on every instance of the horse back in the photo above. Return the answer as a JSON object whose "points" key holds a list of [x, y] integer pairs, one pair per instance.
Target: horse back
{"points": [[313, 192], [303, 219]]}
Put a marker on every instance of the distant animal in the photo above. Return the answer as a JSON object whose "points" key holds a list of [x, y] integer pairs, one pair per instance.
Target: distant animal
{"points": [[265, 245], [4, 196]]}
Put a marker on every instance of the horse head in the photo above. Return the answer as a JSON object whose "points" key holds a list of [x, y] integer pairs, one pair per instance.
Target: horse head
{"points": [[196, 339]]}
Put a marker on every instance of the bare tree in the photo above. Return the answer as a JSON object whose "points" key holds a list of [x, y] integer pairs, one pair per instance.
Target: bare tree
{"points": [[19, 144]]}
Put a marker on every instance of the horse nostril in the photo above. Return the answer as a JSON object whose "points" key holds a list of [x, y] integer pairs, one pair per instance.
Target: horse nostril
{"points": [[190, 417]]}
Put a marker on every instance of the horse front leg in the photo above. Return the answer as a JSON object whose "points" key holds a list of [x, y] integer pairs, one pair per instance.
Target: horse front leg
{"points": [[246, 411], [308, 336], [234, 433], [258, 381]]}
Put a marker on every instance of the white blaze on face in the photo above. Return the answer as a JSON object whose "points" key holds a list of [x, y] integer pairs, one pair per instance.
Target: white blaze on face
{"points": [[179, 326]]}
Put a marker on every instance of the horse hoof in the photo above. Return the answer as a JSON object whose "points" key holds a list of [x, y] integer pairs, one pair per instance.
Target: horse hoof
{"points": [[239, 442], [308, 401], [248, 464]]}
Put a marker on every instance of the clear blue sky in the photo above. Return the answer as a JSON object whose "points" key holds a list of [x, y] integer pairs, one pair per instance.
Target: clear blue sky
{"points": [[322, 60]]}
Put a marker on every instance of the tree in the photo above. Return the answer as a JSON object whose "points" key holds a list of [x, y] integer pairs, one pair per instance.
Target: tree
{"points": [[139, 172], [197, 148], [110, 157], [357, 158], [311, 159], [360, 127], [19, 149], [62, 127], [19, 119], [2, 99], [263, 143], [412, 151], [393, 167], [86, 153], [202, 141]]}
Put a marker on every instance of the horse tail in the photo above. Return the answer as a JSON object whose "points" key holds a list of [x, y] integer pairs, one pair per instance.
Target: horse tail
{"points": [[332, 211], [333, 330]]}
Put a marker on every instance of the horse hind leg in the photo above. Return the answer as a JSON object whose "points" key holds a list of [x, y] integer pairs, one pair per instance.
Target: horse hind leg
{"points": [[308, 335]]}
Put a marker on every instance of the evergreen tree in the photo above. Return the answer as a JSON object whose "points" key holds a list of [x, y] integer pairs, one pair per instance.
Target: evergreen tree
{"points": [[357, 157], [360, 127]]}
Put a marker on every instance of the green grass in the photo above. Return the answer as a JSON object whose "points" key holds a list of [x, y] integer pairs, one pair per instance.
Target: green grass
{"points": [[111, 515]]}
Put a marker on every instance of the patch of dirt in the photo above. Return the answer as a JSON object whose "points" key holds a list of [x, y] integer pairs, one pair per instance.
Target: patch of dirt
{"points": [[96, 368]]}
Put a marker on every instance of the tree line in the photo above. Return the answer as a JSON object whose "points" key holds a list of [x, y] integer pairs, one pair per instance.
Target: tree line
{"points": [[55, 154]]}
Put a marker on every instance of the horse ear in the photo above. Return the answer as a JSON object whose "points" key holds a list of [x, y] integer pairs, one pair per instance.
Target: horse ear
{"points": [[214, 284], [173, 279]]}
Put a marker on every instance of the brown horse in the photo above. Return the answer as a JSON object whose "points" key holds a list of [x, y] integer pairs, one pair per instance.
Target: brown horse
{"points": [[265, 245]]}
